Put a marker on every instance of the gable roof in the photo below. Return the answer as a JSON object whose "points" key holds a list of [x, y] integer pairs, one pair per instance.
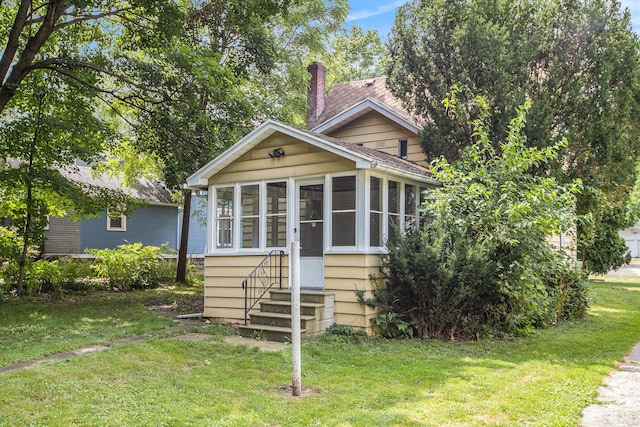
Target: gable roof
{"points": [[364, 158], [145, 189], [153, 192], [346, 102]]}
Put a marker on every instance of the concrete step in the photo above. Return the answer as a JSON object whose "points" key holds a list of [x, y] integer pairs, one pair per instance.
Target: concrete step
{"points": [[306, 309], [306, 296], [279, 319], [270, 333]]}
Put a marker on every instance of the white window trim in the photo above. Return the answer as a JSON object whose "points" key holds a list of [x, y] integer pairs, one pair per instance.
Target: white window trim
{"points": [[264, 247], [123, 219], [261, 214], [234, 219], [329, 248], [363, 213]]}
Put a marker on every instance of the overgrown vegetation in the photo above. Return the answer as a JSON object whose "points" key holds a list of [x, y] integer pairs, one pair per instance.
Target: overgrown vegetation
{"points": [[133, 265], [483, 265], [577, 62], [129, 266]]}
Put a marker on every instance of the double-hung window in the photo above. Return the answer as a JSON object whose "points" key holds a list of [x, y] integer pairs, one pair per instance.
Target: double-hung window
{"points": [[276, 214], [409, 206], [376, 212], [250, 216], [343, 211], [224, 217], [393, 188]]}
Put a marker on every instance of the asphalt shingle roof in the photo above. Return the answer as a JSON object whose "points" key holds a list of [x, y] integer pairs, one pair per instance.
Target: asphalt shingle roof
{"points": [[343, 96]]}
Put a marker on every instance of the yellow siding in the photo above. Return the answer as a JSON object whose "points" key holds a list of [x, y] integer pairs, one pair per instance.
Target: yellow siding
{"points": [[223, 276], [343, 274], [377, 132], [224, 297], [301, 159]]}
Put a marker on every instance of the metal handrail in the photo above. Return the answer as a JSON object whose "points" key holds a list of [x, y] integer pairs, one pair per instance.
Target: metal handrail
{"points": [[266, 274]]}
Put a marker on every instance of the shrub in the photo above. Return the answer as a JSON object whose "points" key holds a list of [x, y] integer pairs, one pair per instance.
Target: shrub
{"points": [[131, 265], [483, 265], [440, 282]]}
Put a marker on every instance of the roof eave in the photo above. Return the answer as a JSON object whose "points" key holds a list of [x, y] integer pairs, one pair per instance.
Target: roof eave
{"points": [[200, 179], [414, 176]]}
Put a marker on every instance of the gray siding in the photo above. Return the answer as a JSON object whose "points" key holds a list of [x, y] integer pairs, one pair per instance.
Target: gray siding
{"points": [[62, 238], [150, 225]]}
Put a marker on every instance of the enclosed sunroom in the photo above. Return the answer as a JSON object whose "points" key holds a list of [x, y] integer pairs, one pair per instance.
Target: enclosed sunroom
{"points": [[341, 201]]}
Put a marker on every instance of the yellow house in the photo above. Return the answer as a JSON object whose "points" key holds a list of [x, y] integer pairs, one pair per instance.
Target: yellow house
{"points": [[342, 188]]}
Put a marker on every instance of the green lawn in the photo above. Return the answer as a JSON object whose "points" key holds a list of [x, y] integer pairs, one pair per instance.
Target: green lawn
{"points": [[545, 379]]}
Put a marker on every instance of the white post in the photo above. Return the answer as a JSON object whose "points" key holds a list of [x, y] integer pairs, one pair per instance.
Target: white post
{"points": [[294, 259]]}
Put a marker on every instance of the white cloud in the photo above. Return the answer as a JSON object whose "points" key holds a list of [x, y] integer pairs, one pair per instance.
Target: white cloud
{"points": [[363, 14]]}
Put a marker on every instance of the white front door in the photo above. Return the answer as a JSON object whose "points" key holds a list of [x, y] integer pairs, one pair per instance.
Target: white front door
{"points": [[310, 231]]}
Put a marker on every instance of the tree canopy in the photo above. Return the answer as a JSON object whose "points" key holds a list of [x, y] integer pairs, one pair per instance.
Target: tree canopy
{"points": [[577, 62]]}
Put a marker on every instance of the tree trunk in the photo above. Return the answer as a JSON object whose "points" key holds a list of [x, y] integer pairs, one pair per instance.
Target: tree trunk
{"points": [[22, 262], [181, 272]]}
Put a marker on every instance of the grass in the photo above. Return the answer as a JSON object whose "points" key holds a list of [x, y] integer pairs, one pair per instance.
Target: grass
{"points": [[545, 379], [33, 328]]}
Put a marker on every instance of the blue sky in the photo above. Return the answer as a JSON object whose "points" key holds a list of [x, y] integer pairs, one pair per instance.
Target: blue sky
{"points": [[379, 14]]}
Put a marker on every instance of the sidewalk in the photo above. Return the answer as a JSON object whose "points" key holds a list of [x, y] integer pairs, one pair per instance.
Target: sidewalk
{"points": [[619, 397]]}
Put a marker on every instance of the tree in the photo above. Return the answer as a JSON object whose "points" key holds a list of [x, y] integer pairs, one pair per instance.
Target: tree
{"points": [[483, 263], [357, 55], [577, 62], [59, 60], [236, 64], [72, 38], [39, 142]]}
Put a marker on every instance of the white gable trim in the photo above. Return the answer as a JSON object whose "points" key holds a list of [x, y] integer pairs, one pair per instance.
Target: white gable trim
{"points": [[361, 108], [200, 179]]}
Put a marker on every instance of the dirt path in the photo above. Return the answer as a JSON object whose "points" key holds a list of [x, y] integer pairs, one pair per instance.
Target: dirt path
{"points": [[619, 397], [158, 310]]}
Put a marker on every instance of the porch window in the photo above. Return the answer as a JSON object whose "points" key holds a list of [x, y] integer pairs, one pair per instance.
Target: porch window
{"points": [[394, 210], [277, 214], [409, 206], [250, 216], [422, 201], [375, 212], [343, 219], [224, 217]]}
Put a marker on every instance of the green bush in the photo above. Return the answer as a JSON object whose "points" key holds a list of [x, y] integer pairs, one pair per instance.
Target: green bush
{"points": [[131, 265], [439, 281], [50, 277], [483, 266]]}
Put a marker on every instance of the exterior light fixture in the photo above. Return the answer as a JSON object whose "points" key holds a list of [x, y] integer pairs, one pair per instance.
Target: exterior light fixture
{"points": [[276, 152]]}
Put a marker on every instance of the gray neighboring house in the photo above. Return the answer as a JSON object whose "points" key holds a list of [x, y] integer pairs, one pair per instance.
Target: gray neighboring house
{"points": [[156, 223]]}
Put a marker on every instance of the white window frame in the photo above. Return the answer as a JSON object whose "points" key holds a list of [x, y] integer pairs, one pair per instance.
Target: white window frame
{"points": [[414, 214], [261, 196], [381, 212], [331, 211], [237, 216], [264, 216], [233, 218], [123, 221]]}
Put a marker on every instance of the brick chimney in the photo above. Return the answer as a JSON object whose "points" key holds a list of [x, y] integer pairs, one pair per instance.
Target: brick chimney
{"points": [[315, 93]]}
